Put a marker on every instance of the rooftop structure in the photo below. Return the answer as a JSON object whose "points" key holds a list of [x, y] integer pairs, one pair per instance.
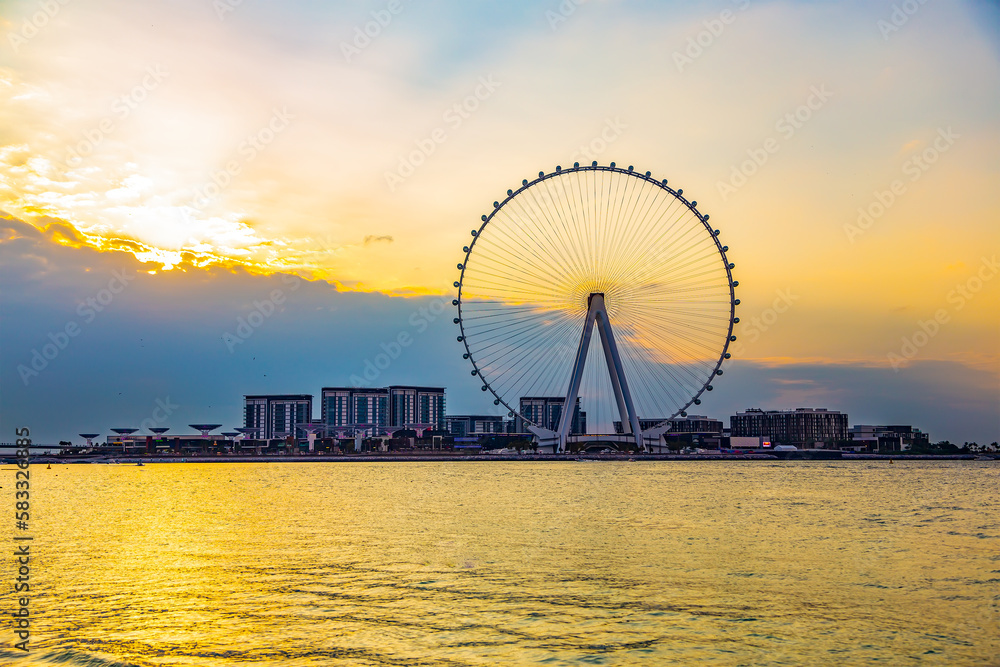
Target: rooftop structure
{"points": [[205, 428]]}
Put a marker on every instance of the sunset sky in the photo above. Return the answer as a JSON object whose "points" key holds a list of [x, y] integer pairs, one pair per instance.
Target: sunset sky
{"points": [[218, 150]]}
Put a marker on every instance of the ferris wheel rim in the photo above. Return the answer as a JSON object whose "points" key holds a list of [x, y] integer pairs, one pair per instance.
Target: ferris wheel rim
{"points": [[595, 167]]}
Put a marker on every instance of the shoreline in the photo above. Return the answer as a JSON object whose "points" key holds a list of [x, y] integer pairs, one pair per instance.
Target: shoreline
{"points": [[445, 458]]}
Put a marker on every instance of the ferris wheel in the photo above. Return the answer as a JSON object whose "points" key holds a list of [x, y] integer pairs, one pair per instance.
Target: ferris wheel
{"points": [[596, 248]]}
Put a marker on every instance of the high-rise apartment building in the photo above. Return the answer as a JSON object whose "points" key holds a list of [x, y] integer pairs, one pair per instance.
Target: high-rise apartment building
{"points": [[276, 415], [394, 407], [417, 405], [801, 426]]}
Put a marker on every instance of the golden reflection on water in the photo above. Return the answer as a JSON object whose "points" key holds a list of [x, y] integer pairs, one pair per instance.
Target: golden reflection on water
{"points": [[575, 563]]}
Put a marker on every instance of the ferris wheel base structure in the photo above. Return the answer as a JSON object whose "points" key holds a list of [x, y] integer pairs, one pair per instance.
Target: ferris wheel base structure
{"points": [[597, 315], [550, 445], [557, 441]]}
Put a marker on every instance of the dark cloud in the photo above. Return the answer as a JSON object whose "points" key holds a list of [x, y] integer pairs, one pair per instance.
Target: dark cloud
{"points": [[371, 238], [162, 336]]}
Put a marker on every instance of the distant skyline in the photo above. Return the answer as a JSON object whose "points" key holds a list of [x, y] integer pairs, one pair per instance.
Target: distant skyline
{"points": [[162, 340], [167, 169]]}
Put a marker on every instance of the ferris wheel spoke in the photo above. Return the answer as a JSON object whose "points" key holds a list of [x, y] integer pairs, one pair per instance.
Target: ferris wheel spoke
{"points": [[681, 376], [516, 347], [681, 334], [648, 248], [499, 277], [622, 228], [519, 269], [673, 347], [549, 219], [522, 365], [717, 274], [661, 386], [563, 210], [515, 251], [550, 243], [682, 260], [530, 240], [503, 331], [589, 195], [658, 220], [640, 219], [583, 204], [499, 340], [685, 240], [507, 291], [546, 376]]}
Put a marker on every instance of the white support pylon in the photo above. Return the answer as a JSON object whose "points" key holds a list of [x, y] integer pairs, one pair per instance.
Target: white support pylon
{"points": [[597, 314]]}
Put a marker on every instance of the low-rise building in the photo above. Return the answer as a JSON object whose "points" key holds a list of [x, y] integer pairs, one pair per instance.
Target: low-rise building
{"points": [[696, 431], [461, 426], [678, 425], [897, 438]]}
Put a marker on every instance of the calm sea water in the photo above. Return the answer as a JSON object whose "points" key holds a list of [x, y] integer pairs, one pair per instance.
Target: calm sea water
{"points": [[575, 563]]}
